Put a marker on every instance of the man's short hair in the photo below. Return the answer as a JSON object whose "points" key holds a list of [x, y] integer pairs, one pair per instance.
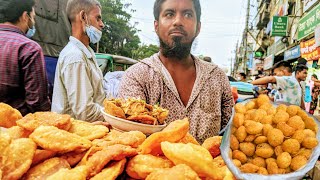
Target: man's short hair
{"points": [[158, 3], [243, 75], [300, 68], [12, 10], [283, 65], [75, 6]]}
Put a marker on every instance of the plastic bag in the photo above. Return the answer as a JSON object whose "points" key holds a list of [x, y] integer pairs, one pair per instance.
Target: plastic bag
{"points": [[225, 146]]}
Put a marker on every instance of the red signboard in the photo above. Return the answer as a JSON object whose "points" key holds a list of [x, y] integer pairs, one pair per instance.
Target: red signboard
{"points": [[309, 50]]}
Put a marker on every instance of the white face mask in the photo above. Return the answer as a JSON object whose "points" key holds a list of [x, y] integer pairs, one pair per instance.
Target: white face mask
{"points": [[93, 33]]}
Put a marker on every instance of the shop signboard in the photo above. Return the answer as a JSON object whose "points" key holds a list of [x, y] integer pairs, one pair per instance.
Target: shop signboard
{"points": [[279, 26], [268, 62], [292, 53], [309, 50], [308, 22], [307, 4]]}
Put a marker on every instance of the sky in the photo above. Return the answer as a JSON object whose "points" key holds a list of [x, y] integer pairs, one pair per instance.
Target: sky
{"points": [[222, 24]]}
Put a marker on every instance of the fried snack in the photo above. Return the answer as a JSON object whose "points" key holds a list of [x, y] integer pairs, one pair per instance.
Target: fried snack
{"points": [[253, 127], [241, 133], [310, 142], [285, 129], [266, 128], [46, 168], [271, 111], [73, 157], [238, 120], [17, 132], [40, 155], [280, 116], [298, 162], [234, 143], [292, 110], [240, 108], [291, 146], [282, 107], [247, 148], [212, 144], [278, 150], [250, 105], [267, 119], [260, 140], [236, 162], [32, 121], [310, 124], [8, 115], [299, 135], [259, 114], [175, 131], [188, 138], [5, 141], [296, 122], [249, 115], [259, 161], [111, 108], [196, 157], [309, 133], [131, 138], [284, 160], [272, 168], [262, 99], [249, 168], [140, 166], [143, 118], [275, 137], [98, 160], [18, 158], [88, 130], [112, 171], [304, 152], [262, 171], [266, 106], [179, 172], [54, 139], [79, 172], [264, 150], [250, 138], [239, 155]]}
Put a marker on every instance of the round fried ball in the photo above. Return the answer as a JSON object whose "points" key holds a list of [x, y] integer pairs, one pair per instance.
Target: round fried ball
{"points": [[310, 142], [272, 111], [259, 161], [266, 106], [241, 133], [302, 114], [238, 120], [247, 148], [264, 150], [236, 162], [249, 115], [240, 108], [275, 137], [233, 130], [284, 160], [262, 171], [309, 133], [305, 152], [298, 162], [261, 139], [259, 114], [253, 127], [234, 143], [267, 119], [272, 168], [249, 168], [280, 116], [296, 122], [299, 135], [292, 110], [310, 124], [266, 129], [278, 150], [285, 129], [291, 146], [250, 138], [240, 156], [269, 160], [250, 105], [262, 99], [282, 107]]}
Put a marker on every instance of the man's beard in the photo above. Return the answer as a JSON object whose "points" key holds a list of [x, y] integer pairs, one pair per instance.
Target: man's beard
{"points": [[178, 49]]}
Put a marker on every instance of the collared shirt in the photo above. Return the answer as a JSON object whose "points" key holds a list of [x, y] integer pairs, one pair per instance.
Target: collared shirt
{"points": [[78, 80], [288, 90], [209, 107], [23, 78]]}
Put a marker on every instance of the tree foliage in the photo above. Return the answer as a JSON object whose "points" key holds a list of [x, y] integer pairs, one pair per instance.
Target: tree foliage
{"points": [[119, 37], [144, 51]]}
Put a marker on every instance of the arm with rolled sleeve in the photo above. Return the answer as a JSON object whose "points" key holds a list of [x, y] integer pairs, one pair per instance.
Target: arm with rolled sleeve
{"points": [[35, 80], [226, 102], [76, 78]]}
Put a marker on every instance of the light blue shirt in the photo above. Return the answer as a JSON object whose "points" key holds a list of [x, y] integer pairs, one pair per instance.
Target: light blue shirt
{"points": [[78, 80]]}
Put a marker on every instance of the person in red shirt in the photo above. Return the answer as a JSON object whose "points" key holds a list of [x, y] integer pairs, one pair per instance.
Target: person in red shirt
{"points": [[23, 78]]}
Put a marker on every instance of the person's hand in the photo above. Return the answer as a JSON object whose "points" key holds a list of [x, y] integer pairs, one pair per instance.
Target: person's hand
{"points": [[102, 123]]}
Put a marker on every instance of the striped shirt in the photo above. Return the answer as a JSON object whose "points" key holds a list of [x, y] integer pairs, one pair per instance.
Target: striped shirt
{"points": [[23, 78]]}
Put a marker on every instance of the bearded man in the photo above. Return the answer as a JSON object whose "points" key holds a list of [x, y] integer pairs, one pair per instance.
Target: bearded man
{"points": [[177, 80]]}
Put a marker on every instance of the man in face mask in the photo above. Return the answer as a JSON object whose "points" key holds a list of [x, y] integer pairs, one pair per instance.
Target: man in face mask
{"points": [[177, 80], [23, 78], [78, 87]]}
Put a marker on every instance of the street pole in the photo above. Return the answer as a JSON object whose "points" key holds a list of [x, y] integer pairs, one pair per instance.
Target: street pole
{"points": [[245, 38], [235, 59]]}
